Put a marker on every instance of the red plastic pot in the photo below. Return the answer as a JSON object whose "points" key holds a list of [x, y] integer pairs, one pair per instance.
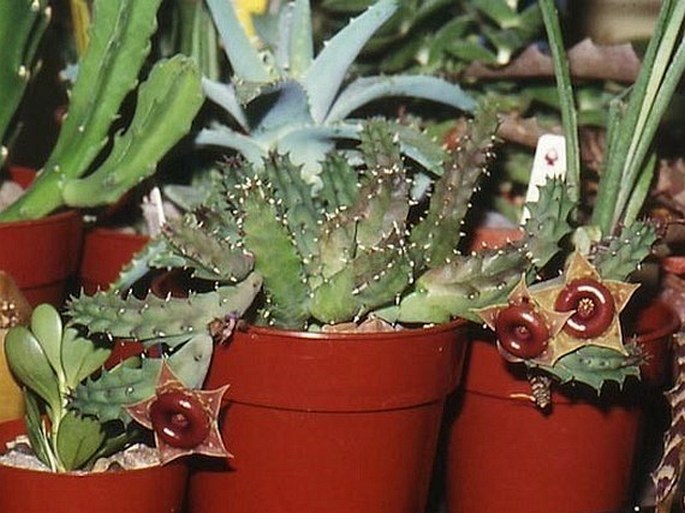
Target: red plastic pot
{"points": [[505, 455], [42, 254], [105, 252], [341, 423], [151, 490]]}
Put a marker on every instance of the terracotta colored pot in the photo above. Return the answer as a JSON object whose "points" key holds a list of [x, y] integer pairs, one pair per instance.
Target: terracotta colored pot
{"points": [[42, 254], [341, 423], [504, 455], [105, 252], [152, 490]]}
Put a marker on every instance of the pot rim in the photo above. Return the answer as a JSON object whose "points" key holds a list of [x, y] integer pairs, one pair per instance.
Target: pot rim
{"points": [[337, 336]]}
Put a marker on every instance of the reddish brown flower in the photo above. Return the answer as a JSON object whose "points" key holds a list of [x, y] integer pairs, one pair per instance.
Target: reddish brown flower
{"points": [[184, 421]]}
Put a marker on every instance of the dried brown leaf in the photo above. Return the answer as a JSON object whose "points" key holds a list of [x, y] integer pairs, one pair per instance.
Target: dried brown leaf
{"points": [[587, 60]]}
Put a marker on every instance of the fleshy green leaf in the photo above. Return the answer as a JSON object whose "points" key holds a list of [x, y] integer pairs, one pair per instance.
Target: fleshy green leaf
{"points": [[30, 364], [80, 357], [78, 439], [46, 326]]}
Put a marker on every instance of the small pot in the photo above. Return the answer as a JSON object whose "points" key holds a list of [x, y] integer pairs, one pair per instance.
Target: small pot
{"points": [[42, 254], [150, 490], [505, 455], [341, 423], [105, 252]]}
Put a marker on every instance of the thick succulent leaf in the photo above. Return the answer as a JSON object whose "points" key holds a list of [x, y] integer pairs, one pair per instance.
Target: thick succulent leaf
{"points": [[289, 108], [78, 439], [326, 74], [367, 89], [225, 96], [245, 60], [225, 137], [80, 357], [308, 146], [46, 326], [301, 39], [30, 365], [297, 42]]}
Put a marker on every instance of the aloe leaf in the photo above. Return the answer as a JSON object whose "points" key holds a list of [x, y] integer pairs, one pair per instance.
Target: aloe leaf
{"points": [[80, 357], [326, 74], [290, 109], [367, 89], [225, 96], [31, 366], [301, 43], [225, 137], [78, 439], [244, 58]]}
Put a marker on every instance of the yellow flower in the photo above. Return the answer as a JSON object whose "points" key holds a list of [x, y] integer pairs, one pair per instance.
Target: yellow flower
{"points": [[246, 8]]}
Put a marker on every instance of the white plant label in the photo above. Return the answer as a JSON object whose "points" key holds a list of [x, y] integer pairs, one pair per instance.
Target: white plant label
{"points": [[549, 162]]}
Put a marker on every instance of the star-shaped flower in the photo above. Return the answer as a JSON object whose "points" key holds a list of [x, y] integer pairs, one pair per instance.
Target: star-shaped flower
{"points": [[595, 303], [525, 329], [184, 421]]}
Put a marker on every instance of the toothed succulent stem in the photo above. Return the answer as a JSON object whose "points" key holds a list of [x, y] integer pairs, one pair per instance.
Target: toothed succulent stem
{"points": [[621, 255], [436, 237], [22, 24], [108, 71], [155, 319]]}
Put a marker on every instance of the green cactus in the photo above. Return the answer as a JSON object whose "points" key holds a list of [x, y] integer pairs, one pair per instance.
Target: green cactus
{"points": [[109, 70], [330, 258], [22, 24], [106, 396], [284, 98], [169, 320], [594, 366]]}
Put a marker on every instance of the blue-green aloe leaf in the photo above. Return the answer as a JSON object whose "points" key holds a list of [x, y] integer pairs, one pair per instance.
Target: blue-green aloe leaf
{"points": [[225, 137], [244, 57], [326, 74], [225, 96], [367, 89]]}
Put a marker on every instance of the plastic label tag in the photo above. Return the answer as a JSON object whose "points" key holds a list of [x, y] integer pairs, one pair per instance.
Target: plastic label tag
{"points": [[549, 161]]}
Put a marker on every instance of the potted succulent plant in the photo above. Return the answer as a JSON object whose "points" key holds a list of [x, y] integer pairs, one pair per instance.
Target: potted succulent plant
{"points": [[307, 247], [353, 257], [108, 462], [579, 457], [167, 102]]}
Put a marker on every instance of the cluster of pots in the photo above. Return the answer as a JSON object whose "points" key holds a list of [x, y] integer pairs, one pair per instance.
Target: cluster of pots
{"points": [[354, 423]]}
